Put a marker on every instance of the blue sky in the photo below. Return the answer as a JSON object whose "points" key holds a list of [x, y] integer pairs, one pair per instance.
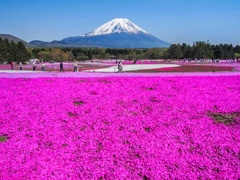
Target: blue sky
{"points": [[174, 21]]}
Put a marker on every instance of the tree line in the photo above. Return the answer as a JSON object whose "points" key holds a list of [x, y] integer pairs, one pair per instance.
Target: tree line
{"points": [[203, 50], [63, 54], [199, 50], [11, 51]]}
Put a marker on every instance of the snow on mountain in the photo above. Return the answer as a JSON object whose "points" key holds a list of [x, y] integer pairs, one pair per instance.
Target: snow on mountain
{"points": [[117, 25], [117, 33]]}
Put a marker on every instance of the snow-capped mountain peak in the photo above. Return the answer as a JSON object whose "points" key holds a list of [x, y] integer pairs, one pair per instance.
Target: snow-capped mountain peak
{"points": [[117, 33], [117, 25]]}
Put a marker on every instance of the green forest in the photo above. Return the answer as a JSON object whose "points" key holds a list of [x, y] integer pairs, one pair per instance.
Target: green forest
{"points": [[17, 52], [11, 51]]}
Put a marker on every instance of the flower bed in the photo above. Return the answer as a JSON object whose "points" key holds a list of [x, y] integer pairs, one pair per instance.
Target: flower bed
{"points": [[195, 68], [120, 128], [97, 64], [55, 67]]}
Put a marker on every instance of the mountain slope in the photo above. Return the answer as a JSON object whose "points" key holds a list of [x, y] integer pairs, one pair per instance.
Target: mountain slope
{"points": [[15, 39], [117, 40]]}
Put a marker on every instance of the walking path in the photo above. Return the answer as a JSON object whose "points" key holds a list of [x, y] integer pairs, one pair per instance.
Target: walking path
{"points": [[134, 67]]}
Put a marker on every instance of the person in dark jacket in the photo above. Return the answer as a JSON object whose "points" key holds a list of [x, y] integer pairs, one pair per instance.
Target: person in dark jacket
{"points": [[34, 66], [61, 67]]}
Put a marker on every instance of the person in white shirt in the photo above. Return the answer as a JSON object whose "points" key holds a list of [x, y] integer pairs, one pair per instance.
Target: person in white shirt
{"points": [[20, 65], [75, 65]]}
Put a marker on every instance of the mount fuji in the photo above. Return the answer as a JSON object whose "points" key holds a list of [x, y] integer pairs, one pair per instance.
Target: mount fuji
{"points": [[117, 33]]}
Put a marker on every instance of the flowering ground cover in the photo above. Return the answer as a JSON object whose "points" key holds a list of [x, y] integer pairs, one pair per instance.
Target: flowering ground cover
{"points": [[192, 68], [100, 64], [120, 127]]}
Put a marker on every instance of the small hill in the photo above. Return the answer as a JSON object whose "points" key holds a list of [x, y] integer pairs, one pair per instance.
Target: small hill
{"points": [[15, 39]]}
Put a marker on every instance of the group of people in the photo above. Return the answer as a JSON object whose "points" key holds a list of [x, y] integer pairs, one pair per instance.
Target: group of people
{"points": [[34, 66], [13, 64], [21, 66], [75, 66]]}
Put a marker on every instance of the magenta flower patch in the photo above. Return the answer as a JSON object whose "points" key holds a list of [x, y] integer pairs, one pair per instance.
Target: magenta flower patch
{"points": [[120, 127]]}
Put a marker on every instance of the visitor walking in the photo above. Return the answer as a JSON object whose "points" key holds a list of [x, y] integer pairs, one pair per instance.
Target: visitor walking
{"points": [[20, 65], [61, 67], [75, 65], [34, 66], [43, 66], [120, 66], [12, 65]]}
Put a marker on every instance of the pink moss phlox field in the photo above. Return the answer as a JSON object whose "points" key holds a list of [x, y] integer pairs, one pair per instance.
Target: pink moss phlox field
{"points": [[119, 128]]}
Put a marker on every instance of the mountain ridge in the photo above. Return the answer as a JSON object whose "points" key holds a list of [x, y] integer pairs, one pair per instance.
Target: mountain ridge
{"points": [[15, 39]]}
